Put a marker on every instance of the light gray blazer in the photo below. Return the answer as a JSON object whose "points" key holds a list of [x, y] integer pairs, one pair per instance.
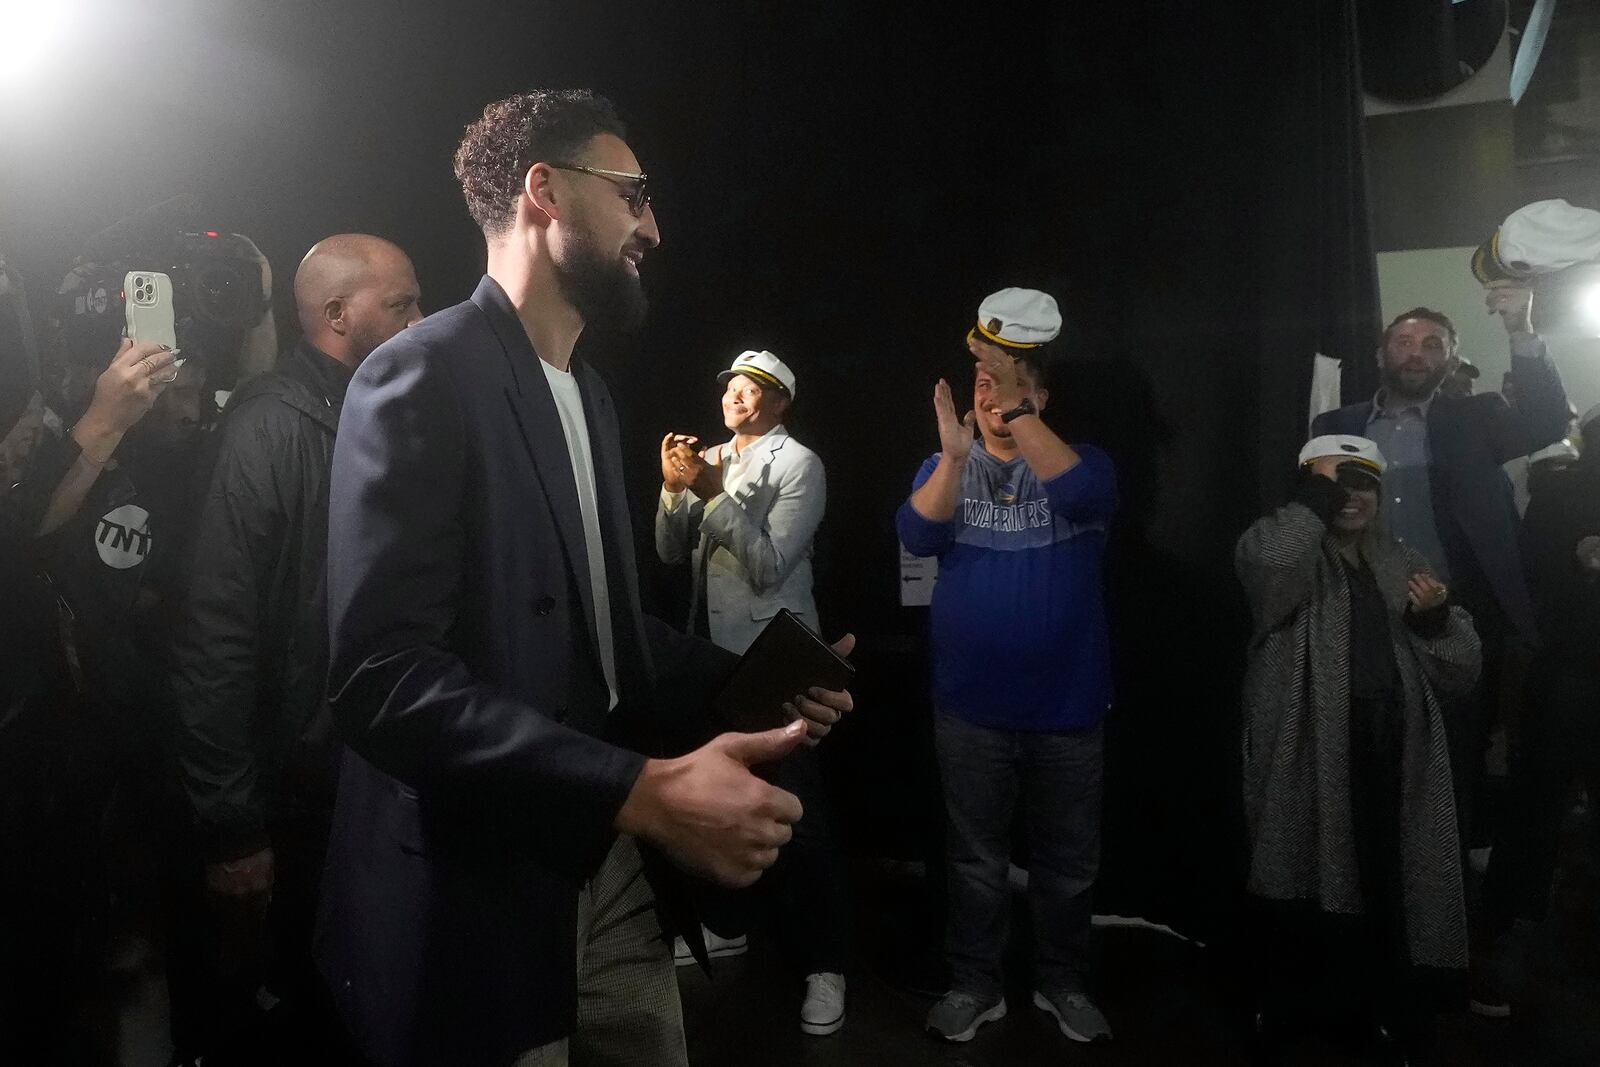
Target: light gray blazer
{"points": [[751, 546]]}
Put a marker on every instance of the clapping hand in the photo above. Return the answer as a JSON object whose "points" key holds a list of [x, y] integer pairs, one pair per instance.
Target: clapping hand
{"points": [[677, 457], [1008, 389], [1588, 552], [705, 473], [1425, 592], [955, 435]]}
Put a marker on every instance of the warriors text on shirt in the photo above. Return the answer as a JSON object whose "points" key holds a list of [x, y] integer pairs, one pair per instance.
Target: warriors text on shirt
{"points": [[1026, 516]]}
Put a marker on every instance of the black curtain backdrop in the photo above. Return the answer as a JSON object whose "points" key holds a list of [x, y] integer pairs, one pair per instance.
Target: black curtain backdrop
{"points": [[842, 186], [1320, 286]]}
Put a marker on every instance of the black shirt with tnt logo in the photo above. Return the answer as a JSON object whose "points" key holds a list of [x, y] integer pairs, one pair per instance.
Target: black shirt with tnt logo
{"points": [[112, 566]]}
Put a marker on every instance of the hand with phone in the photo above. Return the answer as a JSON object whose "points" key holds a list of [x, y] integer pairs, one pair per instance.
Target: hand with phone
{"points": [[822, 709], [123, 394], [148, 304]]}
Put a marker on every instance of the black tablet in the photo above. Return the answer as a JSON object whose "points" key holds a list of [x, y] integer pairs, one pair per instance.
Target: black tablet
{"points": [[786, 658]]}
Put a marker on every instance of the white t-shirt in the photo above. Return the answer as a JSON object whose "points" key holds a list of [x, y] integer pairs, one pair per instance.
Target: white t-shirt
{"points": [[569, 403]]}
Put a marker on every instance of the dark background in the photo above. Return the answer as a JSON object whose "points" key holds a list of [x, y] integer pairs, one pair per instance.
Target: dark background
{"points": [[841, 184]]}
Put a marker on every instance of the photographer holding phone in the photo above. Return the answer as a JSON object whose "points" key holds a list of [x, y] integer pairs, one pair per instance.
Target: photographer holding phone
{"points": [[64, 471], [744, 514], [1021, 668], [52, 721]]}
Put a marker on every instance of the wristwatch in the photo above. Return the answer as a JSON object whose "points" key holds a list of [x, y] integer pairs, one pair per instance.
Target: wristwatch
{"points": [[1024, 408]]}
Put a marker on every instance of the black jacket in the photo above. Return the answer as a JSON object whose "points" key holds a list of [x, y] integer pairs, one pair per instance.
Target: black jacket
{"points": [[1563, 509], [486, 771], [33, 671], [250, 653], [1473, 506]]}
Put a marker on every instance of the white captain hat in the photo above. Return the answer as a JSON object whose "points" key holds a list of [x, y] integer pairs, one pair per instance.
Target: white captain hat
{"points": [[1358, 450], [763, 367], [1018, 319]]}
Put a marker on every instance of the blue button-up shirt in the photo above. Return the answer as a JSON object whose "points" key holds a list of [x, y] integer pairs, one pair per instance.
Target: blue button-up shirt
{"points": [[1406, 507]]}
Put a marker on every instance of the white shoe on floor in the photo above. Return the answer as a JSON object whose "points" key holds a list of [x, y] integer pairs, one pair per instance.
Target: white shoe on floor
{"points": [[823, 1010], [716, 947]]}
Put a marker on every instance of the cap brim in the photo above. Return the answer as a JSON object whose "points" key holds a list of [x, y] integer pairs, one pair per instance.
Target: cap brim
{"points": [[996, 339], [752, 372], [1368, 473], [1365, 466]]}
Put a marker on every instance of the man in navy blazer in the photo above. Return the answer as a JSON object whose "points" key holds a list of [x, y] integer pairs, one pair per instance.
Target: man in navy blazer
{"points": [[1445, 493], [492, 673]]}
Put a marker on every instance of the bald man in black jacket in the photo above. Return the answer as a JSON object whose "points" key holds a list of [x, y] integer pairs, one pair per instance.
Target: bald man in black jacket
{"points": [[250, 658]]}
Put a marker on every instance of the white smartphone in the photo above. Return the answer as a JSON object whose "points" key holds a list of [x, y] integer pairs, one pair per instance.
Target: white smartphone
{"points": [[147, 296]]}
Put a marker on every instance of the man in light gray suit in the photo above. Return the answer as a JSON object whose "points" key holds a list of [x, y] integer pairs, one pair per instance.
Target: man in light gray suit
{"points": [[754, 502], [744, 514]]}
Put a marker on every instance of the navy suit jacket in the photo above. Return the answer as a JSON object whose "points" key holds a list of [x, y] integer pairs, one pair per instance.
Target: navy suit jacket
{"points": [[483, 772], [1469, 438]]}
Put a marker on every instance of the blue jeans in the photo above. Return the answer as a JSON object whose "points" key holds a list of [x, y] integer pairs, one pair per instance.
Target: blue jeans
{"points": [[1057, 778]]}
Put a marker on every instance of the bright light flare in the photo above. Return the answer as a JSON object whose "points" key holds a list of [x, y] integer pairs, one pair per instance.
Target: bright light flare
{"points": [[1589, 304], [30, 32]]}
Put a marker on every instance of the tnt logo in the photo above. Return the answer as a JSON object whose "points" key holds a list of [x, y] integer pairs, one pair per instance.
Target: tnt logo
{"points": [[122, 537]]}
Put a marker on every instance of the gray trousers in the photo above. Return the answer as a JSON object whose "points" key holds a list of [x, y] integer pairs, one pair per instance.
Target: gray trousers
{"points": [[628, 1007], [1056, 778]]}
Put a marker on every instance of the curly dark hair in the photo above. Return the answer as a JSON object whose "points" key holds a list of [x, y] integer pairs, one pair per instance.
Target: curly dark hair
{"points": [[545, 125]]}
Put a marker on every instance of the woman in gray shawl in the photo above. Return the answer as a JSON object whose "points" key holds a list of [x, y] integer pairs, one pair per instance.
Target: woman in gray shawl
{"points": [[1347, 791]]}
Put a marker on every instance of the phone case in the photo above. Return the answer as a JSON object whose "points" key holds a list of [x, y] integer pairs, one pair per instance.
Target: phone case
{"points": [[148, 299], [786, 658]]}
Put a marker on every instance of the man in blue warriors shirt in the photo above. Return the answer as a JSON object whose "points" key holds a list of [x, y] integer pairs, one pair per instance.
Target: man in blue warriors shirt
{"points": [[1021, 668]]}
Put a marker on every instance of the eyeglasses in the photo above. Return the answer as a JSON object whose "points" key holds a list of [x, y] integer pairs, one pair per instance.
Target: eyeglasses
{"points": [[638, 199]]}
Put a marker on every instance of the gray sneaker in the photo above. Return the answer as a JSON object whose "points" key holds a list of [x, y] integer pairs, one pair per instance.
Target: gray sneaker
{"points": [[958, 1016], [1077, 1016]]}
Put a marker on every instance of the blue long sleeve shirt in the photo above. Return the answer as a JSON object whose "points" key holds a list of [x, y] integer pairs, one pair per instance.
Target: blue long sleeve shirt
{"points": [[1018, 622]]}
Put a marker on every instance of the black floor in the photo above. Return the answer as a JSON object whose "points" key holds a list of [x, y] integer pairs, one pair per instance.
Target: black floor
{"points": [[1168, 1000]]}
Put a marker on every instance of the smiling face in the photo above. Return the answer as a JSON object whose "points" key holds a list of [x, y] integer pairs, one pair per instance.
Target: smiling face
{"points": [[987, 406], [1359, 509], [749, 408], [1415, 356], [598, 244]]}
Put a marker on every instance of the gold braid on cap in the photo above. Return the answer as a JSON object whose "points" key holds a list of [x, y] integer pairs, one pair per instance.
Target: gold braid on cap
{"points": [[995, 338], [759, 375], [1359, 461]]}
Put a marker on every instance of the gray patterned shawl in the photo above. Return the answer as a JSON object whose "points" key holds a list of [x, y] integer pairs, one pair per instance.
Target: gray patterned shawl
{"points": [[1297, 730]]}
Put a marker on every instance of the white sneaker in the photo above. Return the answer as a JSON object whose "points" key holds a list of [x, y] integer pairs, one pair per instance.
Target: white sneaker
{"points": [[716, 947], [823, 1010]]}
